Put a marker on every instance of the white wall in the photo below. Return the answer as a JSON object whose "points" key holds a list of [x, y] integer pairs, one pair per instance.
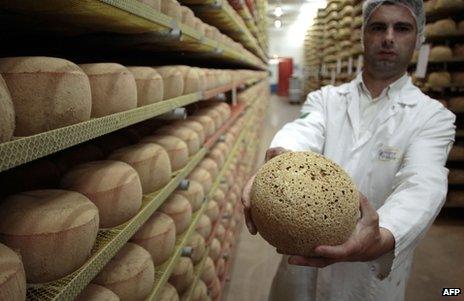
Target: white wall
{"points": [[288, 40]]}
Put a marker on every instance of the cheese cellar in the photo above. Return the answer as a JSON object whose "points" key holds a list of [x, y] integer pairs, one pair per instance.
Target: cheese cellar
{"points": [[231, 150]]}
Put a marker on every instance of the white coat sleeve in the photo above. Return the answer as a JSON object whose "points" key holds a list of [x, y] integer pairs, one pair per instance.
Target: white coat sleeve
{"points": [[420, 187], [307, 132]]}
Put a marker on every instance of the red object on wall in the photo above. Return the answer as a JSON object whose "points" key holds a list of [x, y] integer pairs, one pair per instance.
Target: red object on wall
{"points": [[285, 72]]}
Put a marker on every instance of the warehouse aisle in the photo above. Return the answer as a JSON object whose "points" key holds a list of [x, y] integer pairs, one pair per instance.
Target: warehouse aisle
{"points": [[256, 262]]}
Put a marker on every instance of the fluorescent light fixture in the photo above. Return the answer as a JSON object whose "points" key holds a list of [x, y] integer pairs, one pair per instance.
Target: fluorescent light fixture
{"points": [[277, 24], [278, 11]]}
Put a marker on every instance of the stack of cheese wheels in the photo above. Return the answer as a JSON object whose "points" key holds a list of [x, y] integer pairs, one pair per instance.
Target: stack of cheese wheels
{"points": [[168, 293], [188, 18], [439, 79], [215, 288], [209, 271], [12, 275], [191, 76], [448, 4], [113, 186], [456, 104], [194, 194], [214, 114], [171, 8], [175, 147], [130, 274], [444, 27], [97, 292], [47, 93], [180, 210], [207, 122], [211, 166], [54, 230], [7, 124], [203, 177], [149, 83], [198, 244], [79, 154], [189, 136], [182, 274], [113, 88], [150, 161], [193, 125], [224, 109], [215, 249], [212, 211], [441, 53], [172, 79], [157, 236], [204, 226]]}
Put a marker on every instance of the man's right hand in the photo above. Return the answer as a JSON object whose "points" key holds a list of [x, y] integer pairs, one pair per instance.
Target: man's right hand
{"points": [[270, 153]]}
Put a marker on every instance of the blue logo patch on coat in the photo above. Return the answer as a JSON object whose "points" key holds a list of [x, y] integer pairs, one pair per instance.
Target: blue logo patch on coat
{"points": [[389, 153]]}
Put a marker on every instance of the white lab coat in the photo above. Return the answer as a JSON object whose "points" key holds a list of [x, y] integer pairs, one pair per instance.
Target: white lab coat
{"points": [[398, 164]]}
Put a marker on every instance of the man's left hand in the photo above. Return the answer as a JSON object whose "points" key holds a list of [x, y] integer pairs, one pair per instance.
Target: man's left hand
{"points": [[368, 242]]}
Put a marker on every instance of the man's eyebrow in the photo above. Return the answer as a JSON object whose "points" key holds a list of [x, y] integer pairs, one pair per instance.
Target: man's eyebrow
{"points": [[408, 24], [378, 23]]}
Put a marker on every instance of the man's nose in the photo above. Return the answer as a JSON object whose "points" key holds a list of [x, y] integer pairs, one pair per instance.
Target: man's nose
{"points": [[389, 37]]}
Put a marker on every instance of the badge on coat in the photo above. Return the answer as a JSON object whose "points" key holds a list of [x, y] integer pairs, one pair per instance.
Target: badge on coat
{"points": [[389, 153]]}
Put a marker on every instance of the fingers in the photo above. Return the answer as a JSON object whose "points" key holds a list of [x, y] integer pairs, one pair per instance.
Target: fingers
{"points": [[249, 222], [246, 204], [274, 152], [368, 213], [316, 262], [339, 252]]}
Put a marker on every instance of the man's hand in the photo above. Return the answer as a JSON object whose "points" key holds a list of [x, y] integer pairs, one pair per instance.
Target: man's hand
{"points": [[368, 242], [270, 153]]}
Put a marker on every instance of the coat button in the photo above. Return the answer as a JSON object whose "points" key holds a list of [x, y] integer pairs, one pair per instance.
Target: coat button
{"points": [[372, 268]]}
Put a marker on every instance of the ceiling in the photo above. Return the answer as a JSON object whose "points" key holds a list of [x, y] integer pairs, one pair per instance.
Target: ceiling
{"points": [[292, 9]]}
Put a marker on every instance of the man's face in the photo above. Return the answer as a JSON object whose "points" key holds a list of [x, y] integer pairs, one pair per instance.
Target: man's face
{"points": [[389, 40]]}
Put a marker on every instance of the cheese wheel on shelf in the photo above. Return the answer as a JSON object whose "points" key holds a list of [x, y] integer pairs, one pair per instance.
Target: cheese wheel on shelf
{"points": [[448, 4], [456, 104], [198, 244], [444, 27], [203, 177], [207, 123], [220, 232], [200, 292], [113, 186], [54, 230], [455, 197], [218, 156], [113, 88], [151, 163], [214, 114], [47, 93], [211, 166], [149, 83], [95, 292], [458, 78], [12, 276], [456, 153], [130, 274], [191, 79], [209, 271], [200, 26], [178, 208], [175, 147], [202, 76], [157, 236], [155, 4], [439, 79], [212, 210], [441, 53], [168, 293], [215, 288], [204, 226], [219, 197], [456, 176], [194, 194], [221, 267], [182, 274], [188, 18], [7, 122], [193, 125], [171, 8], [458, 51], [215, 249], [173, 82], [189, 136]]}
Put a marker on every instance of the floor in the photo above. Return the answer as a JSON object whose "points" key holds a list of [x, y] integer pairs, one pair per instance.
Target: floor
{"points": [[438, 263]]}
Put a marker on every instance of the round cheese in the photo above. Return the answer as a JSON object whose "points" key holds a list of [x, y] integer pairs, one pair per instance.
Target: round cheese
{"points": [[215, 288], [204, 226], [214, 114], [456, 104], [157, 236], [458, 78], [168, 293], [7, 122], [193, 125], [455, 197], [12, 276], [224, 109], [444, 27], [207, 123], [215, 249], [173, 82], [212, 211], [189, 136], [456, 176], [211, 166], [151, 163], [458, 51], [182, 274], [229, 139], [130, 274], [54, 230], [175, 147], [228, 210], [94, 292], [439, 79], [300, 200], [200, 26], [200, 292], [191, 79], [209, 272], [441, 53], [171, 8], [113, 88], [47, 93], [217, 155], [149, 83], [179, 209], [221, 267], [219, 197], [457, 153], [198, 244], [448, 4], [220, 232], [203, 177], [188, 18], [194, 194], [113, 186]]}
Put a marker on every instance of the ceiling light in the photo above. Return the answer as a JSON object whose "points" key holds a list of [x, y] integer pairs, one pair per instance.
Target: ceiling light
{"points": [[277, 24], [278, 11]]}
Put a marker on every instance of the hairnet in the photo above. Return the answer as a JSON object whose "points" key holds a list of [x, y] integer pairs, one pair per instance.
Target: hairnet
{"points": [[416, 7]]}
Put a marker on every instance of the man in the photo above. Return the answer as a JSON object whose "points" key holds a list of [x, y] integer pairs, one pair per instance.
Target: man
{"points": [[393, 141]]}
